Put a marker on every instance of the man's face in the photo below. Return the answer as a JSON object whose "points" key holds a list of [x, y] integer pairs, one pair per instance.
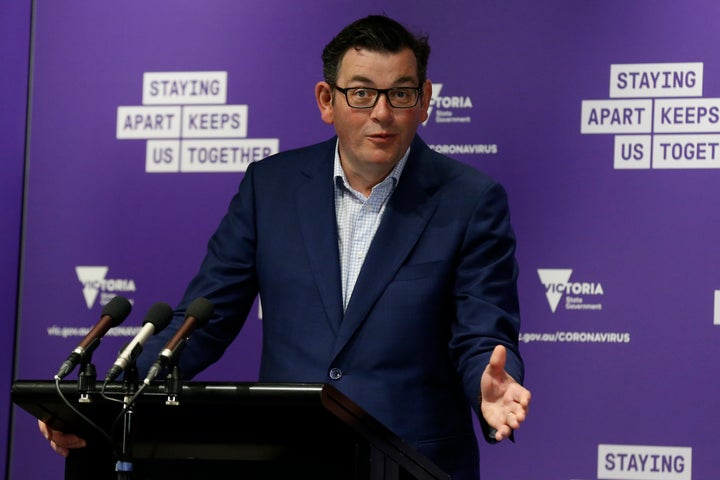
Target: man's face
{"points": [[373, 140]]}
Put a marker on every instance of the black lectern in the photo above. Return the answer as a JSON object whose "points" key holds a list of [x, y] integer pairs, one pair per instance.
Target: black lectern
{"points": [[223, 430]]}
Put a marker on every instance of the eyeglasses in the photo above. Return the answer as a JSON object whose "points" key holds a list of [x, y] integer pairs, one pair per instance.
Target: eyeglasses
{"points": [[366, 97]]}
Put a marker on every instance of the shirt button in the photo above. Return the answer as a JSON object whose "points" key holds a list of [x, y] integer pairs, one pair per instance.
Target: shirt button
{"points": [[335, 373]]}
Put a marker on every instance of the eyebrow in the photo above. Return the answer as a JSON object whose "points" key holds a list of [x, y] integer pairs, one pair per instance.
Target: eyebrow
{"points": [[363, 79]]}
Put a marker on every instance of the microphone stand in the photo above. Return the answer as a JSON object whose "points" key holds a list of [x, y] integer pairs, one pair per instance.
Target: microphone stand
{"points": [[124, 465], [173, 382]]}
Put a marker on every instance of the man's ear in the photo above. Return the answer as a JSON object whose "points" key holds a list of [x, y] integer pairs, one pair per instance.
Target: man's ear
{"points": [[324, 97], [426, 98]]}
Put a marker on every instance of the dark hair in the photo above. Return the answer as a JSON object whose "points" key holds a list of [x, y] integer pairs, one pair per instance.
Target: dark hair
{"points": [[377, 33]]}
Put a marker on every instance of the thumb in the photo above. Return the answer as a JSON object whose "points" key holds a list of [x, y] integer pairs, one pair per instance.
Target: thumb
{"points": [[496, 367]]}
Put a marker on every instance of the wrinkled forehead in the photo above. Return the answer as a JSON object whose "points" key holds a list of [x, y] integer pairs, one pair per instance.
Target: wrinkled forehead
{"points": [[375, 67]]}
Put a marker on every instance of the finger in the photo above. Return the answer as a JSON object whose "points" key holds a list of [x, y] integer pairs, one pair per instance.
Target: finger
{"points": [[59, 450], [503, 433], [520, 416], [513, 420], [44, 429], [65, 440], [68, 440], [520, 395], [523, 397], [496, 366]]}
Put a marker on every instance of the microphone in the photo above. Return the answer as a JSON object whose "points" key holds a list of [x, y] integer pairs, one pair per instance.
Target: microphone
{"points": [[156, 319], [196, 315], [113, 314]]}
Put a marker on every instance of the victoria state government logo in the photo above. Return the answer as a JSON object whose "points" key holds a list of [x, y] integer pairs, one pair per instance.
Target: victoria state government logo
{"points": [[558, 285], [96, 285]]}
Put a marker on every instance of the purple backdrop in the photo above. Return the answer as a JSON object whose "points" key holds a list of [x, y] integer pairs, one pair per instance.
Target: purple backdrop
{"points": [[567, 103], [14, 48]]}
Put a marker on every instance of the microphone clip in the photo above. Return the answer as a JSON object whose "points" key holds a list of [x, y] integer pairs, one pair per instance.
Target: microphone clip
{"points": [[166, 360], [87, 379], [173, 385]]}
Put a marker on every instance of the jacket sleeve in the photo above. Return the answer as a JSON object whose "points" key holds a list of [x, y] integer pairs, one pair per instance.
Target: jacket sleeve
{"points": [[227, 278], [486, 299]]}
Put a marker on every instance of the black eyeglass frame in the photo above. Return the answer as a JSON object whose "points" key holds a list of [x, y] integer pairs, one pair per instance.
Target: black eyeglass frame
{"points": [[380, 91]]}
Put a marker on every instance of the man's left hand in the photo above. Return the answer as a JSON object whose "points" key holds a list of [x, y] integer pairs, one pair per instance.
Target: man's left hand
{"points": [[503, 401]]}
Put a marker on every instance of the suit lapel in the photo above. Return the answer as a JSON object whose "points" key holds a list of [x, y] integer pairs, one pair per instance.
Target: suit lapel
{"points": [[409, 209], [316, 211]]}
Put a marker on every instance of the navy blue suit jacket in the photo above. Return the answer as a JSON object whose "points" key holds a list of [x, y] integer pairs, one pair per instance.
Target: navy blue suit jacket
{"points": [[436, 293]]}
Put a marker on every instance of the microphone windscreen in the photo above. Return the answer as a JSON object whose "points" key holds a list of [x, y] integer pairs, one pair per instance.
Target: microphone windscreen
{"points": [[202, 309], [159, 315], [118, 308]]}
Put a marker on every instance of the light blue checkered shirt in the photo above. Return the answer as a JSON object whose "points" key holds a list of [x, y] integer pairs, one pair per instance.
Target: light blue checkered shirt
{"points": [[358, 219]]}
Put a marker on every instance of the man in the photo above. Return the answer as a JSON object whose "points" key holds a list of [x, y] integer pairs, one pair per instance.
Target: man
{"points": [[384, 268]]}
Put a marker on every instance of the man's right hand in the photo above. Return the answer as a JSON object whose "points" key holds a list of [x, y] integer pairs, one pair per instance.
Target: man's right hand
{"points": [[60, 442]]}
